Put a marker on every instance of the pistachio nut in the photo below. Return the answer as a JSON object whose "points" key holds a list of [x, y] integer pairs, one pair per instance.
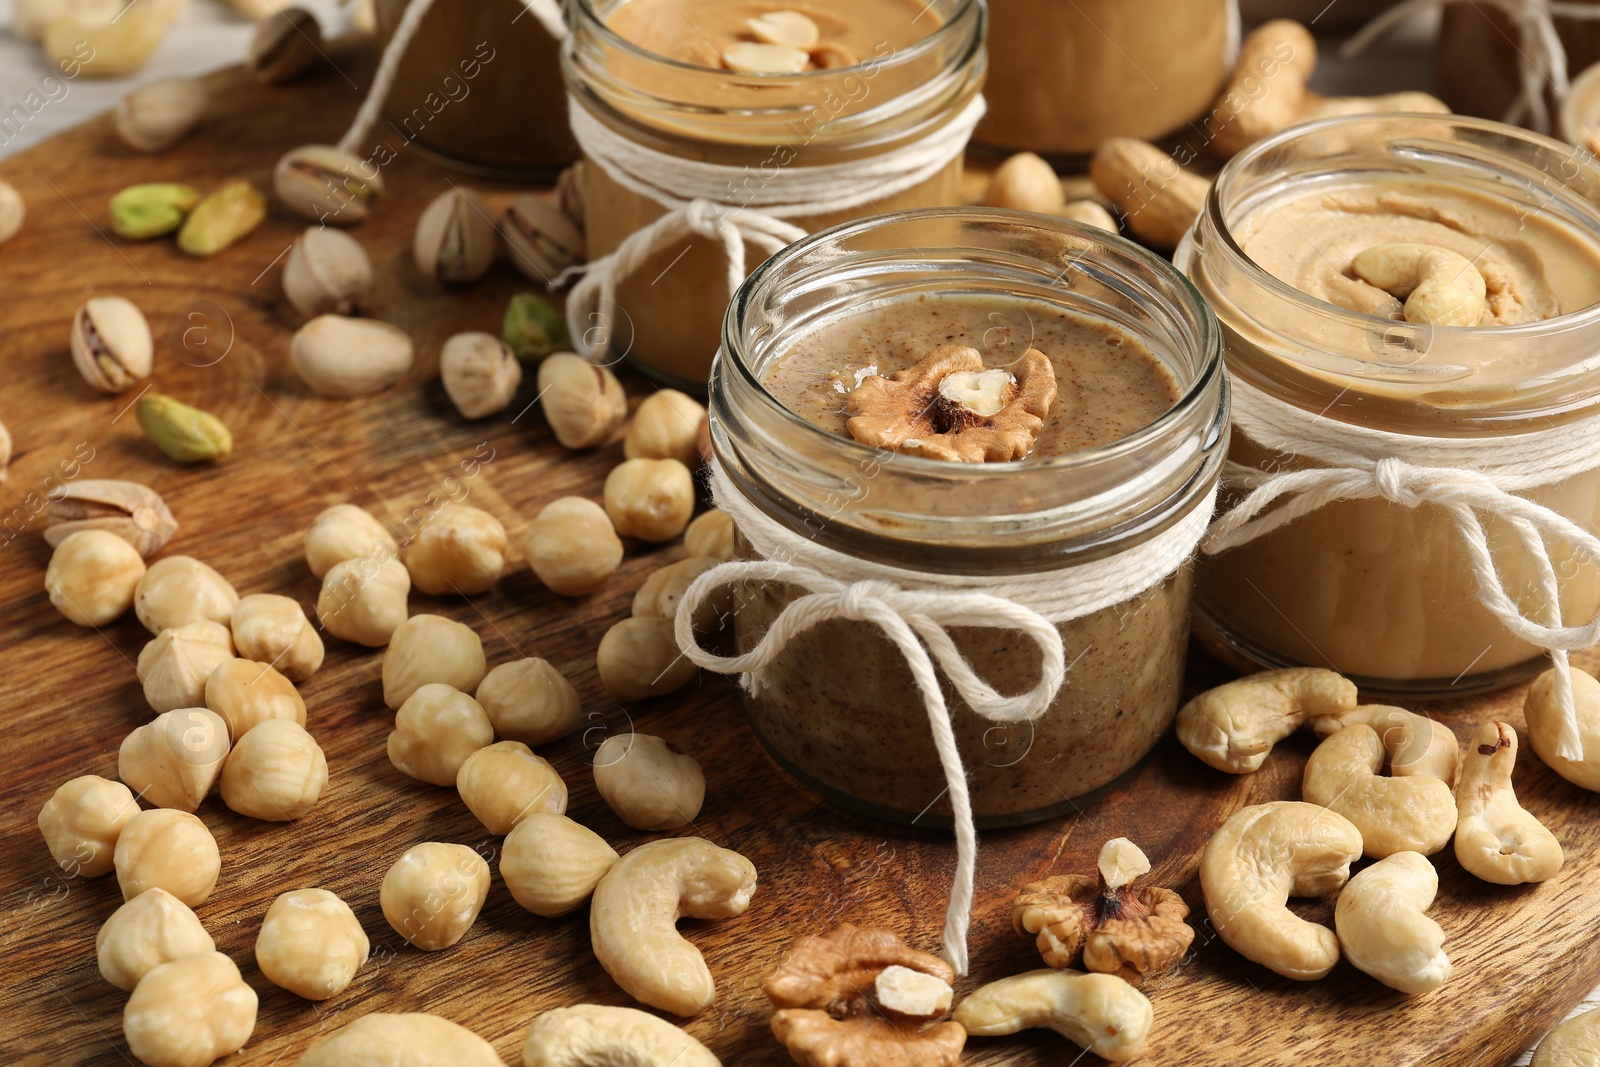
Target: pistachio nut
{"points": [[455, 238], [341, 357], [327, 184], [480, 373], [12, 211], [569, 192], [327, 271], [224, 217], [186, 434], [534, 327], [159, 114], [539, 237], [111, 344], [134, 512], [83, 42], [5, 451], [285, 45], [140, 212]]}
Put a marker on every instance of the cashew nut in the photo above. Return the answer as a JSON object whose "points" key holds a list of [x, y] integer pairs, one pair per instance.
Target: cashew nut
{"points": [[1414, 814], [636, 907], [1575, 1043], [1234, 726], [1159, 200], [1383, 930], [409, 1039], [1496, 839], [1440, 287], [1101, 1012], [588, 1035], [1263, 855], [1414, 744], [1544, 726]]}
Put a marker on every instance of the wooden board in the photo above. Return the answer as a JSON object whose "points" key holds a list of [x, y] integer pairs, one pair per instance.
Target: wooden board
{"points": [[1522, 956]]}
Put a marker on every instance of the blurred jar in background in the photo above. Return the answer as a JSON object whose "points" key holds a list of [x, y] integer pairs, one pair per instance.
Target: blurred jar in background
{"points": [[1481, 52]]}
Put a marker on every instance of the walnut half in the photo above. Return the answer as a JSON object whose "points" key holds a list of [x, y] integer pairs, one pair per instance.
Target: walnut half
{"points": [[950, 406]]}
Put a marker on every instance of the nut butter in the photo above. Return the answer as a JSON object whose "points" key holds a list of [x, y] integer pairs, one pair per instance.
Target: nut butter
{"points": [[1127, 450]]}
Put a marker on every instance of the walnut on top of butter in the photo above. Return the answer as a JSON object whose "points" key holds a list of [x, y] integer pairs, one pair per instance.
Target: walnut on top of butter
{"points": [[779, 42], [950, 406]]}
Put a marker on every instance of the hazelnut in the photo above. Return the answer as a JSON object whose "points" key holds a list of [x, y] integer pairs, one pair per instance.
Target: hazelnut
{"points": [[649, 782], [311, 944], [572, 547], [480, 374], [505, 782], [80, 823], [174, 667], [651, 499], [552, 864], [1026, 183], [343, 532], [274, 629], [433, 893], [530, 701], [92, 577], [275, 773], [173, 760], [710, 535], [659, 596], [461, 550], [430, 648], [435, 730], [247, 693], [164, 848], [584, 404], [666, 426], [639, 658], [189, 1012], [179, 590], [364, 600], [153, 928]]}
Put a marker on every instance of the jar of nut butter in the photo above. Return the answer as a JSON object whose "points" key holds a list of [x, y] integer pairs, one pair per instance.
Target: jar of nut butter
{"points": [[993, 436], [716, 131], [1409, 304]]}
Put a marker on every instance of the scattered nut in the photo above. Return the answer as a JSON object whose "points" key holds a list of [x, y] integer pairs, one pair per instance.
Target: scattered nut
{"points": [[430, 648], [189, 1012], [364, 599], [455, 239], [343, 532], [284, 46], [179, 590], [156, 209], [710, 535], [246, 693], [1261, 856], [274, 629], [327, 272], [592, 1034], [174, 666], [633, 918], [30, 17], [1158, 199], [132, 511], [1440, 287], [12, 211], [540, 238], [1544, 726], [1410, 814], [665, 427], [275, 773], [534, 328], [111, 345], [1090, 213], [572, 547], [648, 781], [659, 596], [153, 928], [99, 46], [1496, 839], [311, 944], [639, 658], [530, 701], [414, 1039], [569, 193], [222, 219], [433, 893], [1101, 1012], [461, 550], [338, 356], [164, 848], [327, 184], [651, 499], [1026, 183], [92, 577], [184, 434], [1317, 107], [1414, 744], [174, 760], [480, 374], [435, 730], [552, 864], [159, 114], [1234, 726], [1287, 49], [1572, 1044], [80, 823], [505, 783], [5, 451], [1382, 928], [583, 404]]}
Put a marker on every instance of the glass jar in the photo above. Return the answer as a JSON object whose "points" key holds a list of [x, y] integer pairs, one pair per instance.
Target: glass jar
{"points": [[1384, 593], [480, 89], [838, 707], [669, 311], [1072, 74], [1481, 50]]}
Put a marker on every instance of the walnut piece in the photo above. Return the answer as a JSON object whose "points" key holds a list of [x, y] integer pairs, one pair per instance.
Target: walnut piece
{"points": [[832, 1011], [950, 406], [1120, 929]]}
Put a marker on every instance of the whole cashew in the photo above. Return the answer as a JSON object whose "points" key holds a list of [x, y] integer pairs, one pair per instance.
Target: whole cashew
{"points": [[1234, 726], [1414, 744], [1440, 287], [1344, 774], [1263, 855], [1383, 930], [408, 1039], [589, 1035], [1496, 839], [633, 918], [1101, 1012], [1575, 1043], [1544, 726]]}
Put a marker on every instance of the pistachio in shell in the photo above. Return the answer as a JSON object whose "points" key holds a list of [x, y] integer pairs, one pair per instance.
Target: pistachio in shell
{"points": [[540, 239], [327, 272], [327, 184], [479, 373], [285, 45], [157, 115], [111, 345], [455, 238], [134, 512], [222, 219], [341, 357], [154, 209], [185, 434], [533, 327], [569, 192]]}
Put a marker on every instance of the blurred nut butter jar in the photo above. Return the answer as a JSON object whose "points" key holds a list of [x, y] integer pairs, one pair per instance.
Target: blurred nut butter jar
{"points": [[480, 89], [1481, 51]]}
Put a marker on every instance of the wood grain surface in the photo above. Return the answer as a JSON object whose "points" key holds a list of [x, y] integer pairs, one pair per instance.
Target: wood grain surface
{"points": [[1522, 956]]}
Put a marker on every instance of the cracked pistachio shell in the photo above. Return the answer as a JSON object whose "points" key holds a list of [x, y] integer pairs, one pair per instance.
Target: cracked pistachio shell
{"points": [[340, 357], [284, 46], [327, 184], [140, 212], [12, 211], [534, 327], [327, 272], [480, 374], [111, 344], [134, 512], [185, 434], [539, 237], [159, 114], [223, 218], [455, 239]]}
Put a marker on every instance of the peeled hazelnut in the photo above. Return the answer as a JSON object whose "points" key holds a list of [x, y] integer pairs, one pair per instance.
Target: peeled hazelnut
{"points": [[173, 667], [639, 658], [540, 238], [81, 821], [572, 547], [311, 944], [275, 773], [461, 550], [433, 893], [132, 511], [530, 701], [274, 629], [111, 345], [153, 928], [435, 730], [710, 534], [505, 782], [480, 373], [190, 1012], [659, 595], [649, 782], [327, 272], [666, 426], [92, 577], [1026, 183], [327, 184], [164, 848], [455, 238], [364, 600], [12, 211], [342, 357], [552, 864], [173, 760], [180, 590], [651, 499], [284, 45], [246, 693], [583, 404], [343, 532], [159, 114], [430, 648]]}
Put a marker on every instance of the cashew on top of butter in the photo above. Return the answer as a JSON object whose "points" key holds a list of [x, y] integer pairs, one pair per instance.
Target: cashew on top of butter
{"points": [[1234, 726], [1414, 744], [1411, 814], [1575, 1043], [1263, 855], [589, 1035], [1544, 726], [1382, 928], [1101, 1012], [1439, 287], [1496, 839]]}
